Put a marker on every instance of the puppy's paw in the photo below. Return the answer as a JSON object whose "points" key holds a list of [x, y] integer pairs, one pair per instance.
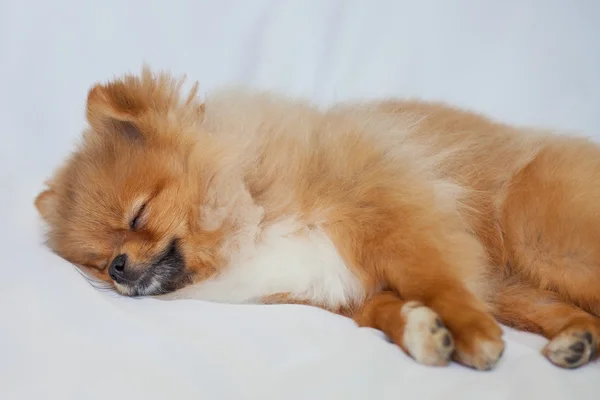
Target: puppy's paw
{"points": [[479, 343], [425, 337], [572, 348]]}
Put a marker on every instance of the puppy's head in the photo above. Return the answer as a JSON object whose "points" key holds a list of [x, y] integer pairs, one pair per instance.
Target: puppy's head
{"points": [[124, 206]]}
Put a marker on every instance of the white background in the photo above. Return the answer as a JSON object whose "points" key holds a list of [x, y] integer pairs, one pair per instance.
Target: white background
{"points": [[534, 62]]}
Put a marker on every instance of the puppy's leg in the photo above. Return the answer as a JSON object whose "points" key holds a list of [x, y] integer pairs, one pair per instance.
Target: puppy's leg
{"points": [[424, 259], [417, 329], [574, 334], [444, 273], [551, 222]]}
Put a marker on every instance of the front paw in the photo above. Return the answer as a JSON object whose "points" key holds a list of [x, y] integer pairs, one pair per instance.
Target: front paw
{"points": [[479, 343], [425, 337]]}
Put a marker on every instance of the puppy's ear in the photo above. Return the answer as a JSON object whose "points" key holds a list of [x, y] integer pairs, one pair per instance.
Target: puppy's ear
{"points": [[135, 105], [115, 107], [46, 205]]}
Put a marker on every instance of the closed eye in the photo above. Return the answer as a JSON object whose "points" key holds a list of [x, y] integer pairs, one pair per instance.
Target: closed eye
{"points": [[135, 222]]}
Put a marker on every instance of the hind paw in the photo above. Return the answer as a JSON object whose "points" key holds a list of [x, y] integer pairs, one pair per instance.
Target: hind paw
{"points": [[571, 349]]}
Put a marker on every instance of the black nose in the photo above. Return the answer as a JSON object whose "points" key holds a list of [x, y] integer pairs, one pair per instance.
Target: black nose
{"points": [[116, 271]]}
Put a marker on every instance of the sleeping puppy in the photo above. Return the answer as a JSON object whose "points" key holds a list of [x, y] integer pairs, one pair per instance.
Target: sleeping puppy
{"points": [[429, 223]]}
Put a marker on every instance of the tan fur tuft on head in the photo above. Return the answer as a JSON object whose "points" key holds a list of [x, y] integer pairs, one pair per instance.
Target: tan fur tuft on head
{"points": [[125, 103]]}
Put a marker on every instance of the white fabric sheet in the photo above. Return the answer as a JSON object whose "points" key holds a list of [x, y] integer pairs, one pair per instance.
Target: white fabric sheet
{"points": [[523, 61]]}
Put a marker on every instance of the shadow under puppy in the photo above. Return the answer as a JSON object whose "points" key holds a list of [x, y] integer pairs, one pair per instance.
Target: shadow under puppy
{"points": [[427, 222]]}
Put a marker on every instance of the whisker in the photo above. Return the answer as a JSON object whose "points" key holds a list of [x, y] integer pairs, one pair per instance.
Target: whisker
{"points": [[97, 284]]}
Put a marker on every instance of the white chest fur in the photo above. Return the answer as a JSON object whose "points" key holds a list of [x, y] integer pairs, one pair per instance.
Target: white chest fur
{"points": [[304, 265]]}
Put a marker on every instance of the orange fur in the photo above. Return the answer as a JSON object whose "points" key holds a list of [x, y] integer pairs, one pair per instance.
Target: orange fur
{"points": [[440, 214]]}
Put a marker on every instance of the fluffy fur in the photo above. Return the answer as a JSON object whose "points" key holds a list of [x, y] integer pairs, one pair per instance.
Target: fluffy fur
{"points": [[425, 221]]}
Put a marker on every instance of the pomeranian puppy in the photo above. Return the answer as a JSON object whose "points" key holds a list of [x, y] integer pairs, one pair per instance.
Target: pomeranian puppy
{"points": [[427, 222]]}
